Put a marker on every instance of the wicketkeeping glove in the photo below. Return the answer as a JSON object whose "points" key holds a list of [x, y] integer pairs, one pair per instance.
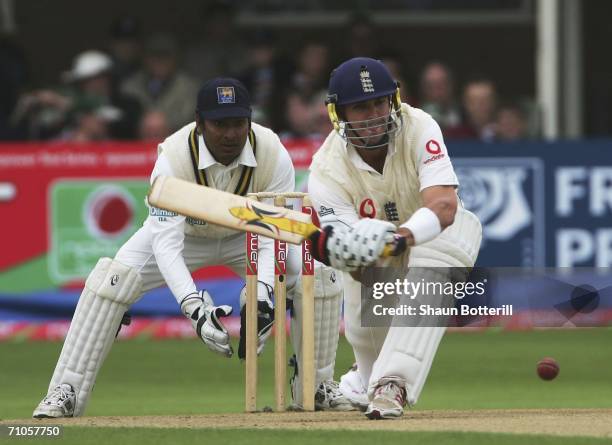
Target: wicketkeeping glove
{"points": [[265, 318], [205, 318]]}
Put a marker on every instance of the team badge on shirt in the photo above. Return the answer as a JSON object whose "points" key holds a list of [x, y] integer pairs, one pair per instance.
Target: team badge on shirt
{"points": [[366, 81], [391, 212], [226, 95]]}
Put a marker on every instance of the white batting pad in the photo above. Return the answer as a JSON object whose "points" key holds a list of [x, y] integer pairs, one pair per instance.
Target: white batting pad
{"points": [[328, 305], [408, 352], [110, 290], [365, 341]]}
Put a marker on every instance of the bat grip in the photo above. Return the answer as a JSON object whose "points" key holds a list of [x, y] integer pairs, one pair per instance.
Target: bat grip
{"points": [[395, 247]]}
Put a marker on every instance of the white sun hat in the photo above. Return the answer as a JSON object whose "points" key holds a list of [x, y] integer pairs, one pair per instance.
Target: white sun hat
{"points": [[88, 64]]}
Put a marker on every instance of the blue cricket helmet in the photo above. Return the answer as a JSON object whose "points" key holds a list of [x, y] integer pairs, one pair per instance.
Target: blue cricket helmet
{"points": [[359, 79]]}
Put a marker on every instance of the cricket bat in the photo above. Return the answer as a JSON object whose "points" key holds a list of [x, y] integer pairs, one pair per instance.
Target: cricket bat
{"points": [[239, 213], [229, 210]]}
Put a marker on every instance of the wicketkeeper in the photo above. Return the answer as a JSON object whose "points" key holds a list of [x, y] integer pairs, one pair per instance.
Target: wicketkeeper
{"points": [[223, 149]]}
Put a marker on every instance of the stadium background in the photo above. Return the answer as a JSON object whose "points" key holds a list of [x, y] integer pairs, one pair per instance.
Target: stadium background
{"points": [[545, 201]]}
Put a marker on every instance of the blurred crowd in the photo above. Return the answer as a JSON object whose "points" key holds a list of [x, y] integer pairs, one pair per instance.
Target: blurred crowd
{"points": [[144, 87]]}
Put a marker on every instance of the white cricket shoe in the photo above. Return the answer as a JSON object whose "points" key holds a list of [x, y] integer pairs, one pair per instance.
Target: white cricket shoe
{"points": [[352, 389], [58, 403], [389, 399], [329, 398]]}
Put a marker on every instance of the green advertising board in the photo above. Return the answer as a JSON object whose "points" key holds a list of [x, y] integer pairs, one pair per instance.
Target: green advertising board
{"points": [[90, 219]]}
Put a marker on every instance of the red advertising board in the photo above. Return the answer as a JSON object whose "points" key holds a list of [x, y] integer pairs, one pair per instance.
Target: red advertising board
{"points": [[28, 170]]}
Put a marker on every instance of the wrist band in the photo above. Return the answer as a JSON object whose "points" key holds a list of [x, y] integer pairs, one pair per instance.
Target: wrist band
{"points": [[424, 225]]}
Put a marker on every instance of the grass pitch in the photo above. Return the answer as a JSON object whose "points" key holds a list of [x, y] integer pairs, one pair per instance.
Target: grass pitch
{"points": [[165, 436], [490, 370]]}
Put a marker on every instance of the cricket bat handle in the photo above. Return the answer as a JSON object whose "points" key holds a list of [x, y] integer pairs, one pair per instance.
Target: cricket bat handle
{"points": [[395, 248]]}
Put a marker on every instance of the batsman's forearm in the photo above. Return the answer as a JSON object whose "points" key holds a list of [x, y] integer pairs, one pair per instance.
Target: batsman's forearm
{"points": [[445, 209]]}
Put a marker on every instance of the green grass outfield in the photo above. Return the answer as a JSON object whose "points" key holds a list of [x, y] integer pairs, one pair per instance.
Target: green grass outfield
{"points": [[490, 370], [165, 436]]}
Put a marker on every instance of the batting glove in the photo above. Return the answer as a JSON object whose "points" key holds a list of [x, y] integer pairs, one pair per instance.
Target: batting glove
{"points": [[360, 245]]}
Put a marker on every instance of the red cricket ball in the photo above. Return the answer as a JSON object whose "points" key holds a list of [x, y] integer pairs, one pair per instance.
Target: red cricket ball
{"points": [[548, 368]]}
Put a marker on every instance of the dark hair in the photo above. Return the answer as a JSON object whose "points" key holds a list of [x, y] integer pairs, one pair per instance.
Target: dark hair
{"points": [[443, 65]]}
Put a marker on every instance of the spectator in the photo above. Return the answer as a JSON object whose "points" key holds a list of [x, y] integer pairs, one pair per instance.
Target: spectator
{"points": [[221, 51], [154, 126], [321, 125], [511, 123], [40, 114], [307, 83], [394, 66], [479, 102], [312, 69], [90, 122], [13, 76], [46, 112], [438, 99], [125, 47], [361, 37], [91, 80], [161, 85], [265, 78]]}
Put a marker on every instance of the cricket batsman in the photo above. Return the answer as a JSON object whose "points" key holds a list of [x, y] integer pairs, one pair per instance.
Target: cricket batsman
{"points": [[384, 174], [225, 150]]}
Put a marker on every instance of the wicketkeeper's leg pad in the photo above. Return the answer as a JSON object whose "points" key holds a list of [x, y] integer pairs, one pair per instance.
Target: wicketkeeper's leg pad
{"points": [[109, 291], [328, 307]]}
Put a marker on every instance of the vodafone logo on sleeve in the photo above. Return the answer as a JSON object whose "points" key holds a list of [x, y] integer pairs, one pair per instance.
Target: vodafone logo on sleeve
{"points": [[367, 209], [433, 147]]}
